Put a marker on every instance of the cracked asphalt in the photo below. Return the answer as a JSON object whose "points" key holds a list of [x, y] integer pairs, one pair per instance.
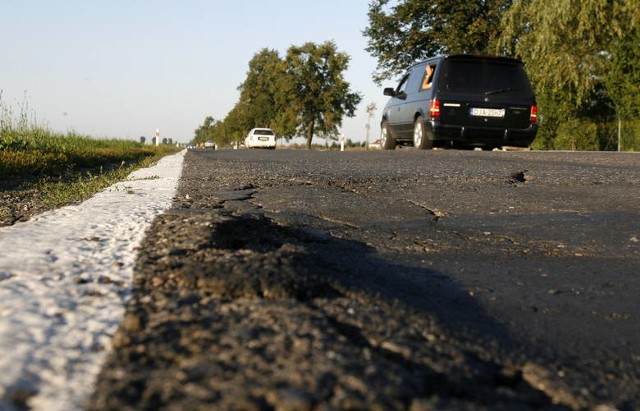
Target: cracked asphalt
{"points": [[417, 280]]}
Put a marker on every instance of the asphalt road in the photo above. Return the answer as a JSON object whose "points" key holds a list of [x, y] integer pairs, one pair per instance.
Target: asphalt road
{"points": [[391, 280]]}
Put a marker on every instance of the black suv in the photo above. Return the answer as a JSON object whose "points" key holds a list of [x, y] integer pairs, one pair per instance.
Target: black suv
{"points": [[461, 100]]}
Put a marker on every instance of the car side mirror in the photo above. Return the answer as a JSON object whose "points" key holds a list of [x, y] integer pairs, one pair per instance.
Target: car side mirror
{"points": [[389, 92]]}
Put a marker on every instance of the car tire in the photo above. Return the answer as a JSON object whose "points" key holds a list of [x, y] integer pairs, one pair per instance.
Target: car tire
{"points": [[420, 139], [386, 139]]}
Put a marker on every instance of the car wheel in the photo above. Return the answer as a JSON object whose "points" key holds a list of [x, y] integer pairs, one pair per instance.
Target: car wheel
{"points": [[386, 139], [420, 139]]}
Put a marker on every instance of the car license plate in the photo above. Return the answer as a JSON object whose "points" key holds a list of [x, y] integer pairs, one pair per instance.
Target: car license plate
{"points": [[263, 138], [487, 112]]}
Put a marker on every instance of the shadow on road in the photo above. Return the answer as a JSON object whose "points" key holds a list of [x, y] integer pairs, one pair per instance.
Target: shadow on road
{"points": [[239, 312]]}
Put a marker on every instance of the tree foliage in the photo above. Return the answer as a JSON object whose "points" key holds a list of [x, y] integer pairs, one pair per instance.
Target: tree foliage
{"points": [[582, 57], [206, 131], [303, 94], [318, 97], [403, 32], [258, 92]]}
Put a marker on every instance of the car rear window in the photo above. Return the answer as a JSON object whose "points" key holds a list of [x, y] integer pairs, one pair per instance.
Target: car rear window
{"points": [[484, 76], [264, 132]]}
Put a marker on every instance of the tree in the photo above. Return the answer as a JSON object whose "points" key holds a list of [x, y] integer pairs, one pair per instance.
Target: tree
{"points": [[143, 139], [581, 55], [258, 91], [622, 74], [205, 131], [411, 30], [314, 96], [303, 94], [236, 123]]}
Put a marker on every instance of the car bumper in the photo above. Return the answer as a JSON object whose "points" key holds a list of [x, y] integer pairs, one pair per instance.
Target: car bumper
{"points": [[261, 144], [484, 136]]}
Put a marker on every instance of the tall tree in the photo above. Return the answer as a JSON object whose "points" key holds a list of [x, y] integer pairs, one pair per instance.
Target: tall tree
{"points": [[581, 55], [315, 97], [259, 89], [621, 77], [403, 32]]}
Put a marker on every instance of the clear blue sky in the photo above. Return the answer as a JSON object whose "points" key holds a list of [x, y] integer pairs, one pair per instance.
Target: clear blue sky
{"points": [[122, 68]]}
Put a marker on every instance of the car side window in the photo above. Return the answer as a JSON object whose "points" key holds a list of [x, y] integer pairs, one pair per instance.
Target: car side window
{"points": [[402, 87]]}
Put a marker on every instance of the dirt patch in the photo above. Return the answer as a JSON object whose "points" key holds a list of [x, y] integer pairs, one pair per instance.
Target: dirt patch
{"points": [[19, 201]]}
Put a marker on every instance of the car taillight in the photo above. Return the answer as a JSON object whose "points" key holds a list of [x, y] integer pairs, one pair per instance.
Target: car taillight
{"points": [[434, 109], [534, 114]]}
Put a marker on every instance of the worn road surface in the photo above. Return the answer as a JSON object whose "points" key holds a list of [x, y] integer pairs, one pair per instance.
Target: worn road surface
{"points": [[418, 280]]}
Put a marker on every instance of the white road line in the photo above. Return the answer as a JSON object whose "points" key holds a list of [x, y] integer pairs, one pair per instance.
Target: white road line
{"points": [[65, 277]]}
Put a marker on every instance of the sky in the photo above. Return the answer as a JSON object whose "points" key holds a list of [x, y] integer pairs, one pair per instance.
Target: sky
{"points": [[125, 68]]}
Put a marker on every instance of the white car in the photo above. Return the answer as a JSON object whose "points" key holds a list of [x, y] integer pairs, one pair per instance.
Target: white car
{"points": [[260, 138]]}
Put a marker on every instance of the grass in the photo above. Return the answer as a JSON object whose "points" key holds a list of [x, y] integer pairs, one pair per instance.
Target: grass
{"points": [[84, 185], [63, 169]]}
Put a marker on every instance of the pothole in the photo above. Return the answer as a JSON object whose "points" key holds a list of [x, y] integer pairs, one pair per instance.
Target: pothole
{"points": [[521, 177]]}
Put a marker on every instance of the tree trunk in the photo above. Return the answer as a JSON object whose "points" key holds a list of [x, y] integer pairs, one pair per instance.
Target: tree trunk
{"points": [[310, 127]]}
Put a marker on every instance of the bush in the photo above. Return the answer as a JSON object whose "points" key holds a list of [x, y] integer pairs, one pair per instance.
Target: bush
{"points": [[577, 134], [627, 132]]}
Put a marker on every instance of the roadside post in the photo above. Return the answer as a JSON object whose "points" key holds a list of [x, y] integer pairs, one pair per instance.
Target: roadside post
{"points": [[342, 142]]}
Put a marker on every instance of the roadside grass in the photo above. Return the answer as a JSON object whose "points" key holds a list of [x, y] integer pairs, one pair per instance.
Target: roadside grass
{"points": [[52, 169], [80, 186]]}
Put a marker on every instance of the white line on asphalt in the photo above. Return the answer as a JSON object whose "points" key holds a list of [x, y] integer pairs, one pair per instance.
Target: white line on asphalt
{"points": [[65, 277]]}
